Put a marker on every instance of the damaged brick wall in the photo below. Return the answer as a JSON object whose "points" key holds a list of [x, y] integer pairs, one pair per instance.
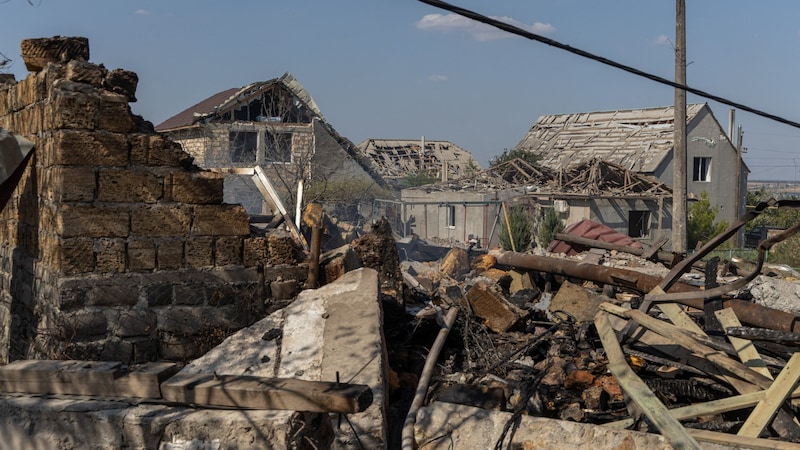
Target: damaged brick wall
{"points": [[114, 245]]}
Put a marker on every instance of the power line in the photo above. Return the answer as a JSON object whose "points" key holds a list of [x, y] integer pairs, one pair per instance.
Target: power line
{"points": [[535, 37]]}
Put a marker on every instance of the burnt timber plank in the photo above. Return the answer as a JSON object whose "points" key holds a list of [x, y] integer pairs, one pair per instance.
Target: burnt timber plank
{"points": [[243, 391]]}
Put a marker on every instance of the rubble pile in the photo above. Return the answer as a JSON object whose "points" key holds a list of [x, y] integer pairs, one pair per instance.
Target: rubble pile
{"points": [[547, 344]]}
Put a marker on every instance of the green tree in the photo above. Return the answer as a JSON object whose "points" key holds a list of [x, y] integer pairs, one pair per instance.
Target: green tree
{"points": [[548, 227], [700, 224], [520, 226], [507, 155]]}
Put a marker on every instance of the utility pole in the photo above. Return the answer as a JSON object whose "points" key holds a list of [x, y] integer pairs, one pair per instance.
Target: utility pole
{"points": [[679, 151], [740, 205]]}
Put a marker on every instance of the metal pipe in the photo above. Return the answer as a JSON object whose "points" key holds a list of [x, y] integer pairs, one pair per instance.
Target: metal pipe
{"points": [[407, 439], [750, 313]]}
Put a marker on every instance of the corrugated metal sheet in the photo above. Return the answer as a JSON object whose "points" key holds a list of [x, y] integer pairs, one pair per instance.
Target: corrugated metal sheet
{"points": [[590, 229], [637, 139]]}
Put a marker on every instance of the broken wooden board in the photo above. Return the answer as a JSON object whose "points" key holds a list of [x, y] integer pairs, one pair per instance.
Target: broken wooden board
{"points": [[251, 392], [745, 348], [780, 390], [638, 391], [91, 378]]}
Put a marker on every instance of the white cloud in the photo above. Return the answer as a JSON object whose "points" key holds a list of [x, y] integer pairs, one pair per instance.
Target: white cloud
{"points": [[662, 39], [143, 12], [438, 77], [479, 31]]}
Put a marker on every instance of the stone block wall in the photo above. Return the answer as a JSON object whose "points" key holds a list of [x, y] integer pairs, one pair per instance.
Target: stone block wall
{"points": [[114, 245]]}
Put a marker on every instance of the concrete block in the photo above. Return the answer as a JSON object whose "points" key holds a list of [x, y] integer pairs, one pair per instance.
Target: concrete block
{"points": [[70, 109], [455, 263], [134, 322], [110, 255], [336, 263], [82, 323], [576, 301], [284, 290], [220, 220], [129, 186], [282, 249], [161, 220], [81, 148], [255, 251], [190, 295], [115, 113], [169, 254], [122, 82], [73, 184], [95, 425], [200, 252], [111, 294], [155, 150], [91, 221], [85, 72], [482, 263], [37, 53], [228, 251], [519, 280], [75, 256], [199, 188], [184, 320], [472, 427], [141, 254], [495, 311]]}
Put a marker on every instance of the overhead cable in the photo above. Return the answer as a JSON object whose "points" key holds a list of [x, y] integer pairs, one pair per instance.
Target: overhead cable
{"points": [[535, 37]]}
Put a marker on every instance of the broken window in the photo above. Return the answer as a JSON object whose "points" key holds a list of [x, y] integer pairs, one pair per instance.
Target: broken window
{"points": [[243, 146], [702, 168], [278, 147], [451, 216], [638, 223]]}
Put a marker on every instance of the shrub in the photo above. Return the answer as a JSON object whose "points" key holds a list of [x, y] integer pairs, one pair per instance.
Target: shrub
{"points": [[700, 223], [549, 226], [520, 226]]}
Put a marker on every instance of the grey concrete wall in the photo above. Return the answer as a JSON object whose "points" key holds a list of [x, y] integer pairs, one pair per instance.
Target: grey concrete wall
{"points": [[475, 214], [722, 187]]}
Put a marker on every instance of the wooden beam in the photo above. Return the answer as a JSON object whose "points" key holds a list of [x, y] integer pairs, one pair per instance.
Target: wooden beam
{"points": [[644, 398], [748, 354], [741, 441], [93, 378], [683, 339], [777, 393], [251, 392], [272, 197]]}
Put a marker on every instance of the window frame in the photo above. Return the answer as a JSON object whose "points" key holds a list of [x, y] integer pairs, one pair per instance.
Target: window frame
{"points": [[701, 172], [450, 218], [639, 217]]}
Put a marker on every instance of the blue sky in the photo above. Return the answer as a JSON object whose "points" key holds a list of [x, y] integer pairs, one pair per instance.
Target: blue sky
{"points": [[403, 69]]}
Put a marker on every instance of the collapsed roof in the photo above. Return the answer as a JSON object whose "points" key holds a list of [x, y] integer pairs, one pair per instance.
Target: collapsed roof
{"points": [[397, 158], [637, 139], [595, 178]]}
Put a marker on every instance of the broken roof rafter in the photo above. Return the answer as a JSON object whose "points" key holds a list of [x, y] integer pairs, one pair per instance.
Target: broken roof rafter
{"points": [[595, 178]]}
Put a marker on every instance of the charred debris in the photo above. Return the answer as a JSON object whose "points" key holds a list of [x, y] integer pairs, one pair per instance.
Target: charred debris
{"points": [[616, 337]]}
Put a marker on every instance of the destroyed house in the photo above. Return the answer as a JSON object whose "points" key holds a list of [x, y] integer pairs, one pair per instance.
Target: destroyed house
{"points": [[642, 140], [472, 207], [396, 159], [274, 126]]}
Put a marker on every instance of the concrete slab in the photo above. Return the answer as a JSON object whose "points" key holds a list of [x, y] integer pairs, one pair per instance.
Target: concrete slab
{"points": [[447, 426]]}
